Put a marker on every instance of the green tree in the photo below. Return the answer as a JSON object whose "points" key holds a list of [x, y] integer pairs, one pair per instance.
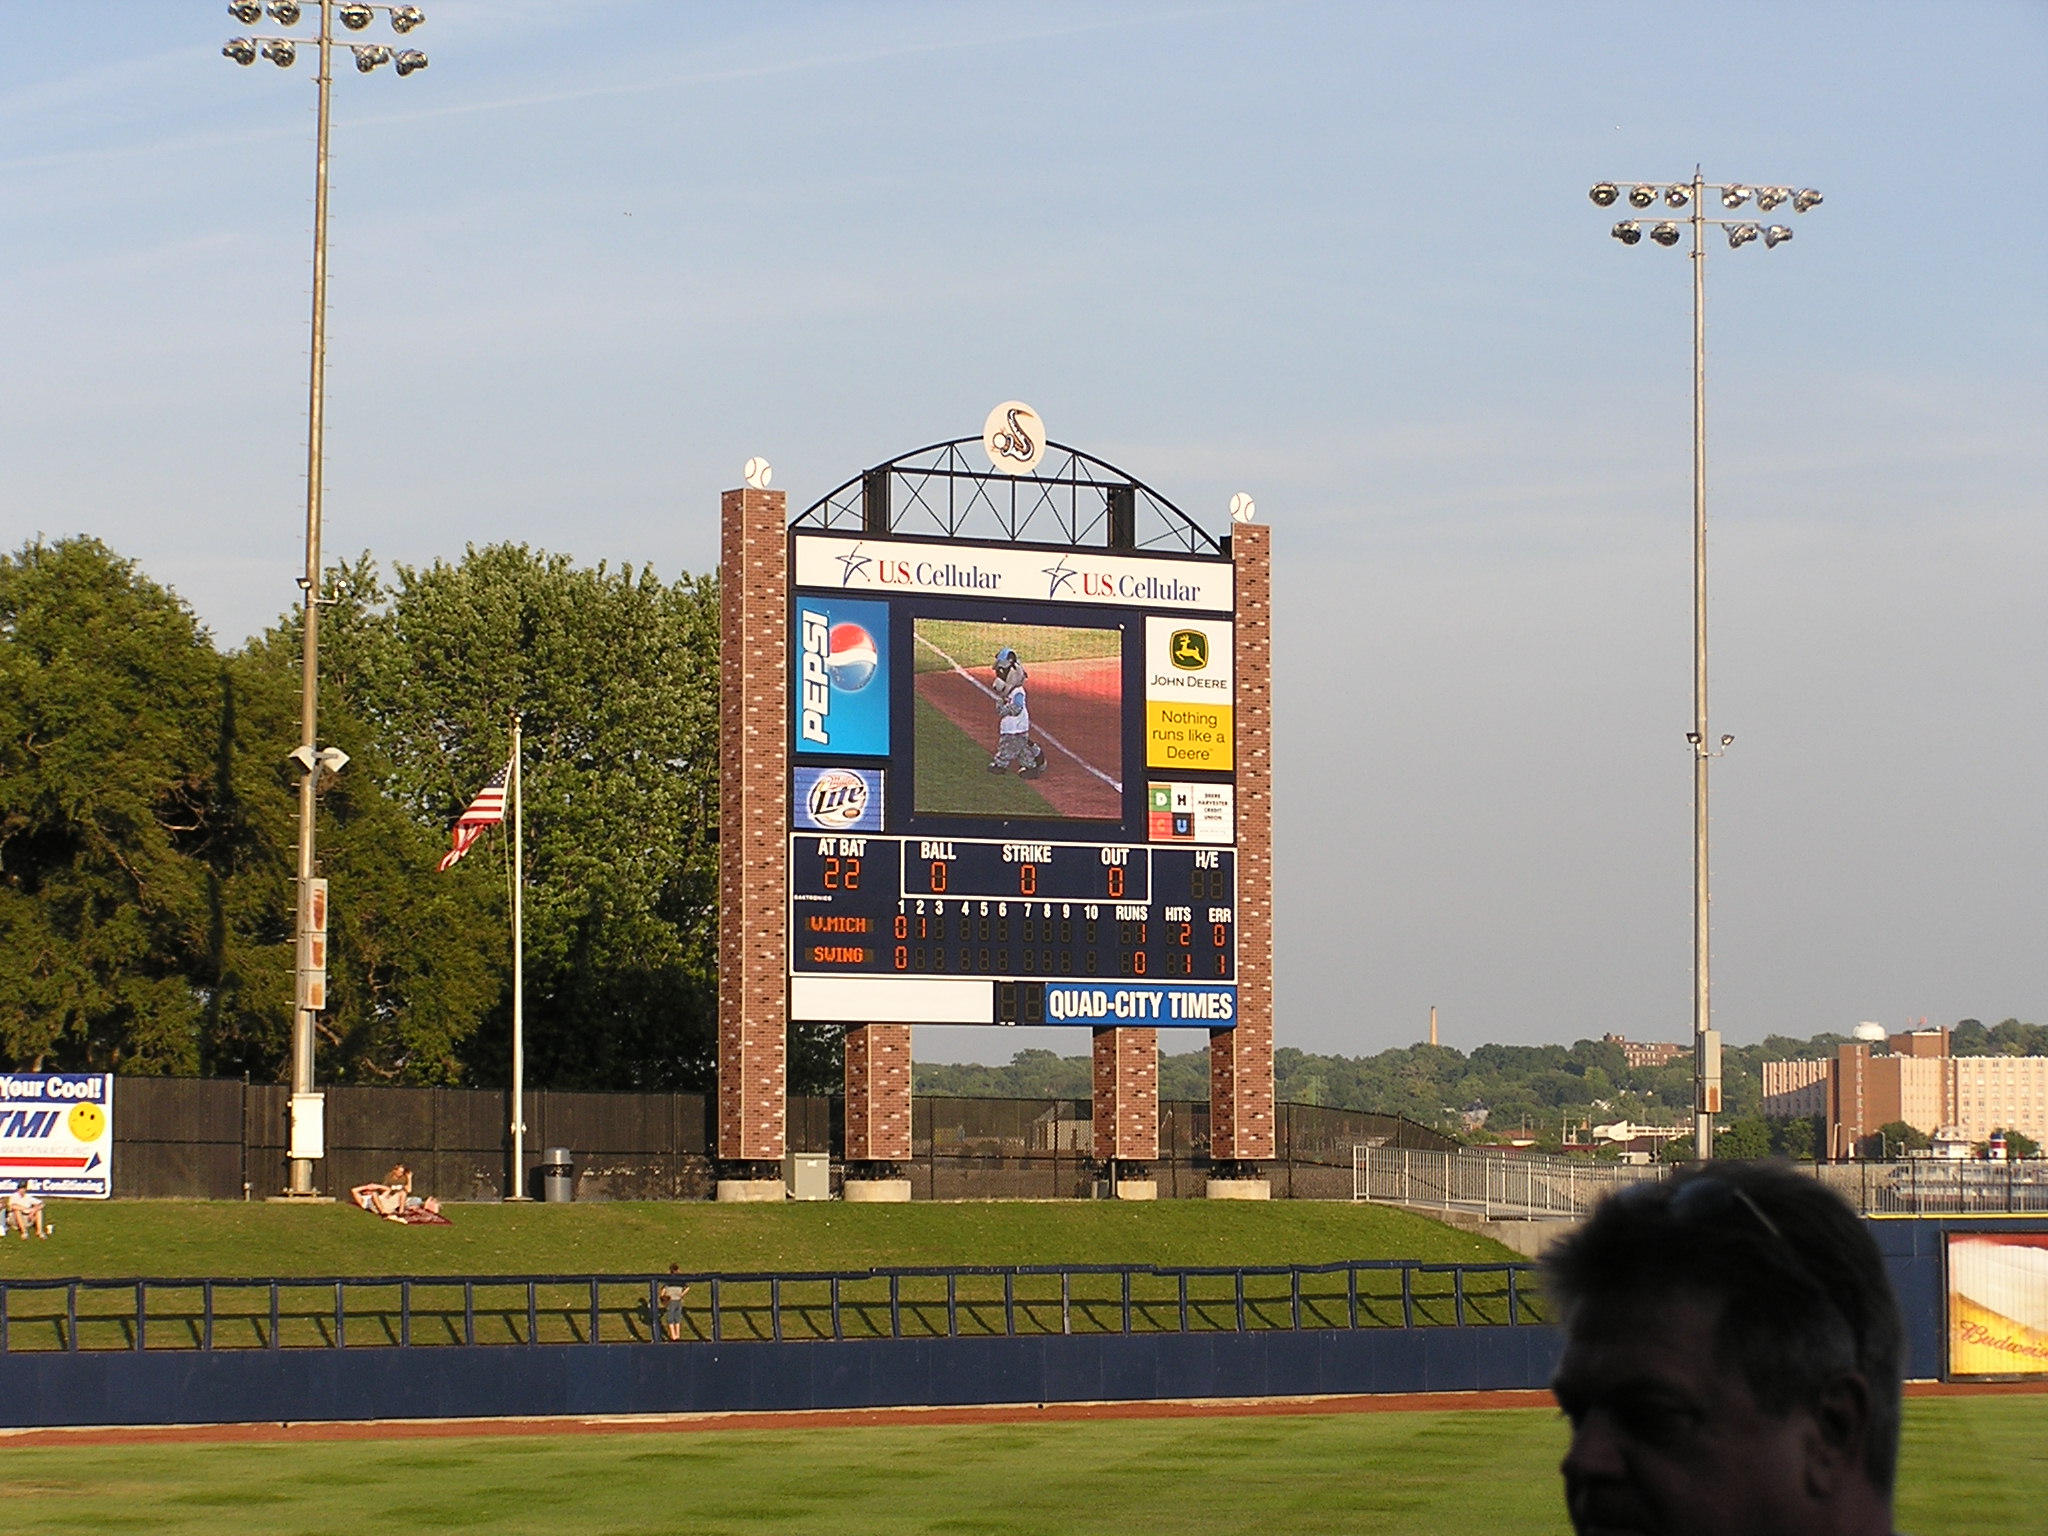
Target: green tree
{"points": [[109, 694], [1747, 1137], [1895, 1138], [2020, 1144], [615, 675]]}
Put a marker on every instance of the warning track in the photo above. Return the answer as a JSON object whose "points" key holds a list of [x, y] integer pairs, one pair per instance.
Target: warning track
{"points": [[860, 1418]]}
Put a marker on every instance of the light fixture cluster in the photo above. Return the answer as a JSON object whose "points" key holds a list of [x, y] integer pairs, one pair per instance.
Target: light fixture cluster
{"points": [[1665, 232], [355, 16]]}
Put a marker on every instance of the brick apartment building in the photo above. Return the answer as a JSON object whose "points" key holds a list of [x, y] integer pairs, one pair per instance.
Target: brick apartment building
{"points": [[1646, 1053], [1913, 1078]]}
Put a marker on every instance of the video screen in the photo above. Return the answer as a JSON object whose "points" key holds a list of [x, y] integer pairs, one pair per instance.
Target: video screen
{"points": [[1018, 720]]}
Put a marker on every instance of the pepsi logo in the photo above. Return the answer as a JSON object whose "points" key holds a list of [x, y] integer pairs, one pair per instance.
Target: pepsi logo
{"points": [[850, 657], [839, 799]]}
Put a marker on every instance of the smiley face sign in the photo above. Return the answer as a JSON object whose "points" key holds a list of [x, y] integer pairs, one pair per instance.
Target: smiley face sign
{"points": [[57, 1134]]}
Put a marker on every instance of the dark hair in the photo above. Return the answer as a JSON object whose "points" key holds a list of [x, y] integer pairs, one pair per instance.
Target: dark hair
{"points": [[1803, 1287]]}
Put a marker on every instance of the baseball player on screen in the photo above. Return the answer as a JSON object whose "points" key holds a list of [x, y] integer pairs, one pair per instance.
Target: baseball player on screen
{"points": [[1014, 746]]}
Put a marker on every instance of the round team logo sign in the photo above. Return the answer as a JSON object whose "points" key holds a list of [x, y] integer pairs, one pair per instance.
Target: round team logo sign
{"points": [[850, 658], [1014, 437], [839, 798]]}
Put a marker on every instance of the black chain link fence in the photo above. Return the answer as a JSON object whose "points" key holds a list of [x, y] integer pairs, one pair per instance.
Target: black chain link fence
{"points": [[198, 1138]]}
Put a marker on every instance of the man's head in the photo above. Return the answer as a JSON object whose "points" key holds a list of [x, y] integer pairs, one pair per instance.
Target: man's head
{"points": [[1732, 1360]]}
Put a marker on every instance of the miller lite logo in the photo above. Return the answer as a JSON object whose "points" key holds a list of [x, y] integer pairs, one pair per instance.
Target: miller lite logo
{"points": [[838, 799]]}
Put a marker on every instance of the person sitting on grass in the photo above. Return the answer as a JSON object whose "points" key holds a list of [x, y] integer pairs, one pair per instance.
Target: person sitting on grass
{"points": [[25, 1210], [388, 1199], [671, 1297]]}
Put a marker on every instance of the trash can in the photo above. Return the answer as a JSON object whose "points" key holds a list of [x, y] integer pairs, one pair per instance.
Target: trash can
{"points": [[557, 1176]]}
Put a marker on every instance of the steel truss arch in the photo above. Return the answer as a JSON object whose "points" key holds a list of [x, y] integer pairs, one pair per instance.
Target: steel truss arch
{"points": [[1072, 499]]}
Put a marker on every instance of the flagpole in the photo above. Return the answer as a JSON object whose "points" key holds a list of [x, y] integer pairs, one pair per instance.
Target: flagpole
{"points": [[518, 971]]}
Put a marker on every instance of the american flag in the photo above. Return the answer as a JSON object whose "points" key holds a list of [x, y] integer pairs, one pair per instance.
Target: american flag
{"points": [[486, 810]]}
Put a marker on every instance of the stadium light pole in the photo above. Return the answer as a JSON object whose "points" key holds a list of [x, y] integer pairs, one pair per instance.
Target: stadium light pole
{"points": [[310, 992], [1676, 195]]}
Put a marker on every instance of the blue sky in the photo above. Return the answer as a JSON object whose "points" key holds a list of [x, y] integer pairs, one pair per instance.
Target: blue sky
{"points": [[1336, 255]]}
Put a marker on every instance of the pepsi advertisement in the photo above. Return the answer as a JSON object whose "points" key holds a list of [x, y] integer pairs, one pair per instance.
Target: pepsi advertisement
{"points": [[842, 677]]}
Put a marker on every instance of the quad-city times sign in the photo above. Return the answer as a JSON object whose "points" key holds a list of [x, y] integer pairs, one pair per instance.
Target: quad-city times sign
{"points": [[1013, 795]]}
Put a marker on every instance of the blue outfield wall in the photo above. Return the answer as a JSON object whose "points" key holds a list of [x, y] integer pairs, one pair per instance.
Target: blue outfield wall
{"points": [[261, 1385]]}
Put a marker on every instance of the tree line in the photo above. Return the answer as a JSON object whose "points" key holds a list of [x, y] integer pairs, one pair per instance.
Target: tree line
{"points": [[148, 817], [1493, 1089]]}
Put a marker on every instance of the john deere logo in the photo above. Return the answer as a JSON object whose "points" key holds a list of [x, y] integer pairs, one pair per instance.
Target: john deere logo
{"points": [[1190, 650]]}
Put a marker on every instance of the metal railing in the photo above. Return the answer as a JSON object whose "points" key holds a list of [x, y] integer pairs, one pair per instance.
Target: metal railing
{"points": [[1537, 1187], [420, 1311], [1511, 1187]]}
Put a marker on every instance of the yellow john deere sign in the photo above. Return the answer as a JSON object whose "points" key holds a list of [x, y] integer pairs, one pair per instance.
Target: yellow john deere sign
{"points": [[1188, 695]]}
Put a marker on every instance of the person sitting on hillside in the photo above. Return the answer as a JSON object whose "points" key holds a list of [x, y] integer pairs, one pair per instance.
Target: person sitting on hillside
{"points": [[388, 1199], [25, 1210]]}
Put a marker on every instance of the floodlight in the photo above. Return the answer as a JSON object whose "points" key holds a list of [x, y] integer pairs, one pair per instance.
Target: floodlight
{"points": [[1776, 236], [241, 50], [1693, 737], [281, 51], [1734, 197], [1804, 199], [1628, 232], [370, 56], [284, 12], [1726, 741], [356, 17], [1641, 196], [1768, 198], [1676, 196], [247, 12], [1605, 194], [405, 17], [410, 59], [1665, 234], [1740, 235]]}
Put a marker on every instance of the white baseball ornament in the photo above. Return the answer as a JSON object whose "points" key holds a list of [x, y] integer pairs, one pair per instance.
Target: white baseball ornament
{"points": [[758, 473], [1242, 508]]}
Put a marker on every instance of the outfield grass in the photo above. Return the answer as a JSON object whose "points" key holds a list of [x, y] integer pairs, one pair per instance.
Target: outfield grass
{"points": [[230, 1238], [1972, 1467]]}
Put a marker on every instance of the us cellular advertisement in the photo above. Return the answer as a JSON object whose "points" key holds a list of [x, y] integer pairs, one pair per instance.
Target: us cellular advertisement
{"points": [[57, 1133]]}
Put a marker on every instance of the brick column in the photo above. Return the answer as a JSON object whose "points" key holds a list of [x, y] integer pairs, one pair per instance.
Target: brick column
{"points": [[1241, 1059], [1127, 1095], [877, 1095], [753, 787]]}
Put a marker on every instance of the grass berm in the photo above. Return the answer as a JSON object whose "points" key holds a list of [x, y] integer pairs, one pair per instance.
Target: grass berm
{"points": [[121, 1238]]}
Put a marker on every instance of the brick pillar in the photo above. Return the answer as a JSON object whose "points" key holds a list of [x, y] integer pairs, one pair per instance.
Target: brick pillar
{"points": [[753, 787], [1241, 1059], [877, 1094], [1127, 1095]]}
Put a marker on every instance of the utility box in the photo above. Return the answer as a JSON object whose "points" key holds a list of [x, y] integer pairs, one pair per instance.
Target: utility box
{"points": [[807, 1175], [308, 1126], [557, 1176]]}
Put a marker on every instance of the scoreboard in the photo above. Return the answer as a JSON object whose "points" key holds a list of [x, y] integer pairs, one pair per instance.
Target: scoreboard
{"points": [[931, 907], [1012, 786]]}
